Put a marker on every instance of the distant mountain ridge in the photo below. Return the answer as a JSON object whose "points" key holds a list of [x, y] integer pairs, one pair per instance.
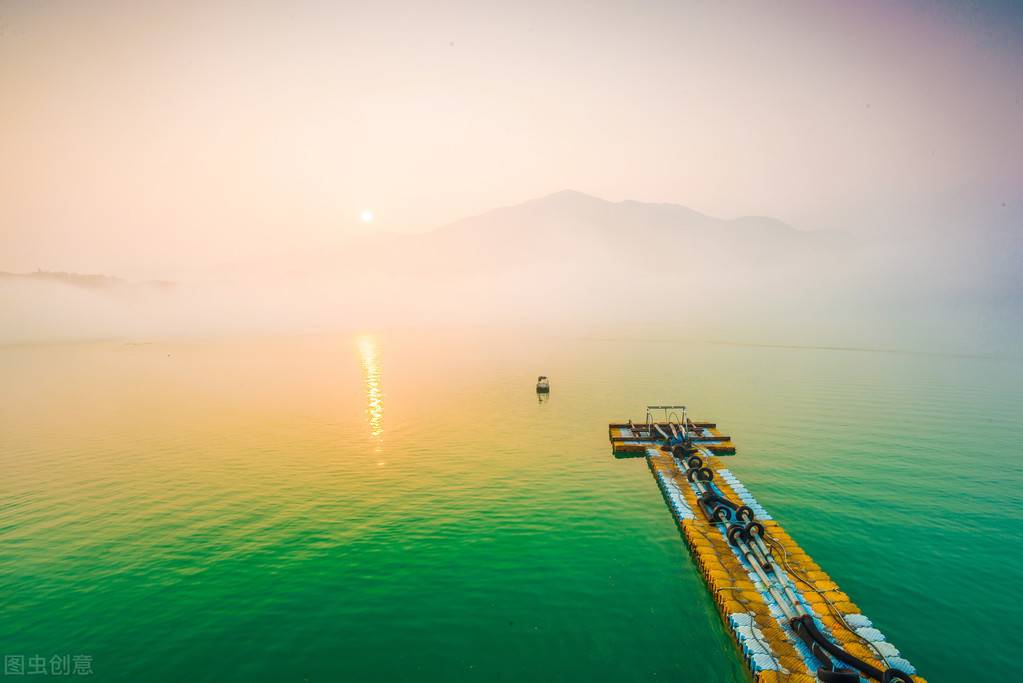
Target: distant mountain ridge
{"points": [[567, 229], [580, 208], [84, 280]]}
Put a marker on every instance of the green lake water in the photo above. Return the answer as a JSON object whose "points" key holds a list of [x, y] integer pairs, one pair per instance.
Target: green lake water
{"points": [[400, 506]]}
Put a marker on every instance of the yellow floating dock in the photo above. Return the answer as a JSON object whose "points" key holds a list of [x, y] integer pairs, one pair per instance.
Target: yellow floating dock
{"points": [[790, 621]]}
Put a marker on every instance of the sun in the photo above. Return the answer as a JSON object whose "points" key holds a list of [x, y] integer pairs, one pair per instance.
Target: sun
{"points": [[366, 216]]}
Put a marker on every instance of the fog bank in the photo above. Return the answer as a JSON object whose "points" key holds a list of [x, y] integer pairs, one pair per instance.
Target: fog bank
{"points": [[571, 260]]}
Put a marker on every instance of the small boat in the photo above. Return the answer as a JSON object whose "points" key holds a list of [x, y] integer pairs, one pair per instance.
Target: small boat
{"points": [[542, 385]]}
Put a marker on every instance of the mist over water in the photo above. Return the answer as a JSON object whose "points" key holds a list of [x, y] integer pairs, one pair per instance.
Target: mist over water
{"points": [[570, 259]]}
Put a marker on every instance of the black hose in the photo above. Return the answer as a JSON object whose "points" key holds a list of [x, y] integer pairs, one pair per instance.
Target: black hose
{"points": [[807, 630]]}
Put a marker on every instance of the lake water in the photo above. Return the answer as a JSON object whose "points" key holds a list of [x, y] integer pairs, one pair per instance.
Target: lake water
{"points": [[400, 506]]}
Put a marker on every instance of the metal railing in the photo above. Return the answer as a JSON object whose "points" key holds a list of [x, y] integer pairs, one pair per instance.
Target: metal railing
{"points": [[668, 412]]}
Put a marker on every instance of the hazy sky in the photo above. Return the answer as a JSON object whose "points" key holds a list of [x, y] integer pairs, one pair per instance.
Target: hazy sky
{"points": [[139, 138]]}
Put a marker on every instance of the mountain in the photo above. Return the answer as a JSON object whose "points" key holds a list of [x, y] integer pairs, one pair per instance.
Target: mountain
{"points": [[573, 233], [567, 223], [572, 256]]}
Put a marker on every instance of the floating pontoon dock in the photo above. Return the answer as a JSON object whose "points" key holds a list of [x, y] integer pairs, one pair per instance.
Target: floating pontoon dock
{"points": [[791, 622]]}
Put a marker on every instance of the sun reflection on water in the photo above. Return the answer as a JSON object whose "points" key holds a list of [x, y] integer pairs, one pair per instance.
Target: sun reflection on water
{"points": [[371, 376]]}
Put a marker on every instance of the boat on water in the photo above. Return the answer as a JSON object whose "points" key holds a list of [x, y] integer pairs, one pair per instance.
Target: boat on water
{"points": [[542, 385]]}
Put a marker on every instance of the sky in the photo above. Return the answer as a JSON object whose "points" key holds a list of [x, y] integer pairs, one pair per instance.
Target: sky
{"points": [[150, 139]]}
